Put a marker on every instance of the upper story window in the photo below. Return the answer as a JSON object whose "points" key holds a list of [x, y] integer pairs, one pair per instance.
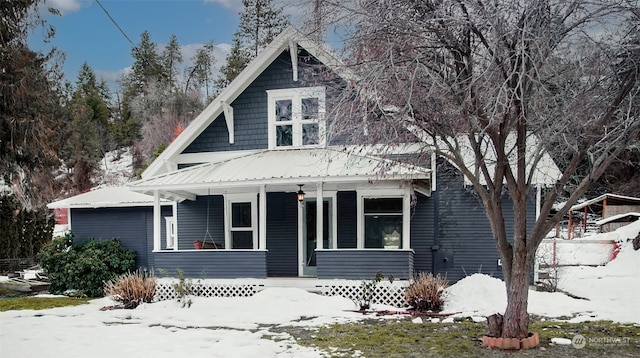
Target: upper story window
{"points": [[296, 117]]}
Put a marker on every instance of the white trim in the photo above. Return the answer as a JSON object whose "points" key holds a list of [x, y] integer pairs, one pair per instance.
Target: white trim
{"points": [[262, 221], [230, 199], [228, 117], [300, 239], [174, 213], [157, 213], [296, 95], [170, 232], [319, 217], [293, 52], [404, 193]]}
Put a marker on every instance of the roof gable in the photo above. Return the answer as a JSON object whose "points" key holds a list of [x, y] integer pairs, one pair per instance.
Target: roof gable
{"points": [[290, 38]]}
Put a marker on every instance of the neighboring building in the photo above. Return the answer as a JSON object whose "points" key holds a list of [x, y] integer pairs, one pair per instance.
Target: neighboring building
{"points": [[238, 172], [613, 211]]}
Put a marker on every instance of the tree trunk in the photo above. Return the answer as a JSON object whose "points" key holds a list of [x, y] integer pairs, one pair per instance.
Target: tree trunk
{"points": [[516, 318]]}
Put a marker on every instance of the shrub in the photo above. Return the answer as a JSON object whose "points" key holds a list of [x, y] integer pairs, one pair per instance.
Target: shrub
{"points": [[132, 288], [84, 266], [184, 289], [367, 290], [426, 292]]}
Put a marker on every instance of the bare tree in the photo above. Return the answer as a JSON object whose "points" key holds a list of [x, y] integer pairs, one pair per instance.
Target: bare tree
{"points": [[495, 87]]}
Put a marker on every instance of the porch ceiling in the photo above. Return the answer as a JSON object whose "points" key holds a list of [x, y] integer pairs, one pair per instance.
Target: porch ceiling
{"points": [[290, 166]]}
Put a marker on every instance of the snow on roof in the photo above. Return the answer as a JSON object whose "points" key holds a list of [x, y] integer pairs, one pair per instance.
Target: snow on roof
{"points": [[106, 197], [612, 199], [283, 166], [619, 217]]}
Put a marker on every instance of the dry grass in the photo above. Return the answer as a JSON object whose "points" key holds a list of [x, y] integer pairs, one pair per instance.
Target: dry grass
{"points": [[132, 289], [426, 292]]}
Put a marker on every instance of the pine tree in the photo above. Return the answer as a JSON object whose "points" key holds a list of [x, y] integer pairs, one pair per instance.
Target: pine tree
{"points": [[237, 60], [260, 23], [87, 128], [199, 74], [30, 111], [171, 59]]}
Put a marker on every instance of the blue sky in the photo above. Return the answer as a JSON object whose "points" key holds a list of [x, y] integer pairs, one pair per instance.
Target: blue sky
{"points": [[84, 33]]}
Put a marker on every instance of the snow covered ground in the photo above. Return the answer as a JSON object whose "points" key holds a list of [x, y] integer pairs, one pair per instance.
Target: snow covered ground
{"points": [[242, 327]]}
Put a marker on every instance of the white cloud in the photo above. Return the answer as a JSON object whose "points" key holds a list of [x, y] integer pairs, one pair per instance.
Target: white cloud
{"points": [[67, 6], [229, 4]]}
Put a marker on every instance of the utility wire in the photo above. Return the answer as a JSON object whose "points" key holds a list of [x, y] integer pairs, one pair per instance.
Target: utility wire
{"points": [[115, 23]]}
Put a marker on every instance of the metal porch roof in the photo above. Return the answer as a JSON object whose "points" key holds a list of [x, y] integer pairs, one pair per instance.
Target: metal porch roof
{"points": [[281, 167], [105, 197]]}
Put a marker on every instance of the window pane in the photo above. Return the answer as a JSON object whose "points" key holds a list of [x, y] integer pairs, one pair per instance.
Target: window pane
{"points": [[242, 239], [284, 136], [283, 110], [309, 108], [310, 134], [383, 205], [240, 215], [383, 231]]}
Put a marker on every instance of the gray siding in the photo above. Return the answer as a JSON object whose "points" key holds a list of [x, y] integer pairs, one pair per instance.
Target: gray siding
{"points": [[282, 235], [422, 232], [363, 264], [467, 245], [192, 221], [249, 112], [132, 226], [213, 263], [250, 107]]}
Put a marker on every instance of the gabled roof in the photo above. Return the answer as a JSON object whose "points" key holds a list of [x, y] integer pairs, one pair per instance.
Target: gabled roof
{"points": [[289, 37], [105, 197], [290, 166]]}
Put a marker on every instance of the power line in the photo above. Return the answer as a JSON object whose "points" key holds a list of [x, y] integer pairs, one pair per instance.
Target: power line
{"points": [[115, 23]]}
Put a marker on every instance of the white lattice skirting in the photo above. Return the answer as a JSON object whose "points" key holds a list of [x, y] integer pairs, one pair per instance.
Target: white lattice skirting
{"points": [[386, 293]]}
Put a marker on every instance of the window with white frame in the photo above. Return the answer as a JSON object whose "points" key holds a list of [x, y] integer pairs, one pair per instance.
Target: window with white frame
{"points": [[296, 117], [170, 230], [383, 221], [241, 221]]}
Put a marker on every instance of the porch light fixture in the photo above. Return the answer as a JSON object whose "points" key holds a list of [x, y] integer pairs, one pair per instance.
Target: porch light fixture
{"points": [[300, 193]]}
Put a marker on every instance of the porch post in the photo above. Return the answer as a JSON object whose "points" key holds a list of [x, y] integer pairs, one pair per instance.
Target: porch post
{"points": [[157, 246], [319, 217], [406, 218], [262, 232]]}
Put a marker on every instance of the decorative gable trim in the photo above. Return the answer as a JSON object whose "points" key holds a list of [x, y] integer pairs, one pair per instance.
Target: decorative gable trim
{"points": [[293, 51], [228, 117], [237, 86]]}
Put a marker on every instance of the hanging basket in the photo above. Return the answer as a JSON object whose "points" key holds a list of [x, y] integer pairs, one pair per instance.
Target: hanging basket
{"points": [[199, 245]]}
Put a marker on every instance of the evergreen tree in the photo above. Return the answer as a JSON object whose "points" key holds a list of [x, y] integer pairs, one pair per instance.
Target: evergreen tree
{"points": [[199, 74], [30, 112], [260, 23], [171, 59], [87, 128], [237, 60]]}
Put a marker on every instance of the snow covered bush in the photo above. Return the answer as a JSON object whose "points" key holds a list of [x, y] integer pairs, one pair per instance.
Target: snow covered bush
{"points": [[84, 266], [426, 292], [132, 288]]}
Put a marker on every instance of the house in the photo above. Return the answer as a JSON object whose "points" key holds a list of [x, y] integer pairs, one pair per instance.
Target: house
{"points": [[259, 190]]}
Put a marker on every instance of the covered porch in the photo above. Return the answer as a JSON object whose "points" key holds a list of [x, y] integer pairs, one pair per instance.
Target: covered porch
{"points": [[319, 213]]}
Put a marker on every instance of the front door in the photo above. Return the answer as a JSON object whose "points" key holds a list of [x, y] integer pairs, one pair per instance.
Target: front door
{"points": [[309, 239]]}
